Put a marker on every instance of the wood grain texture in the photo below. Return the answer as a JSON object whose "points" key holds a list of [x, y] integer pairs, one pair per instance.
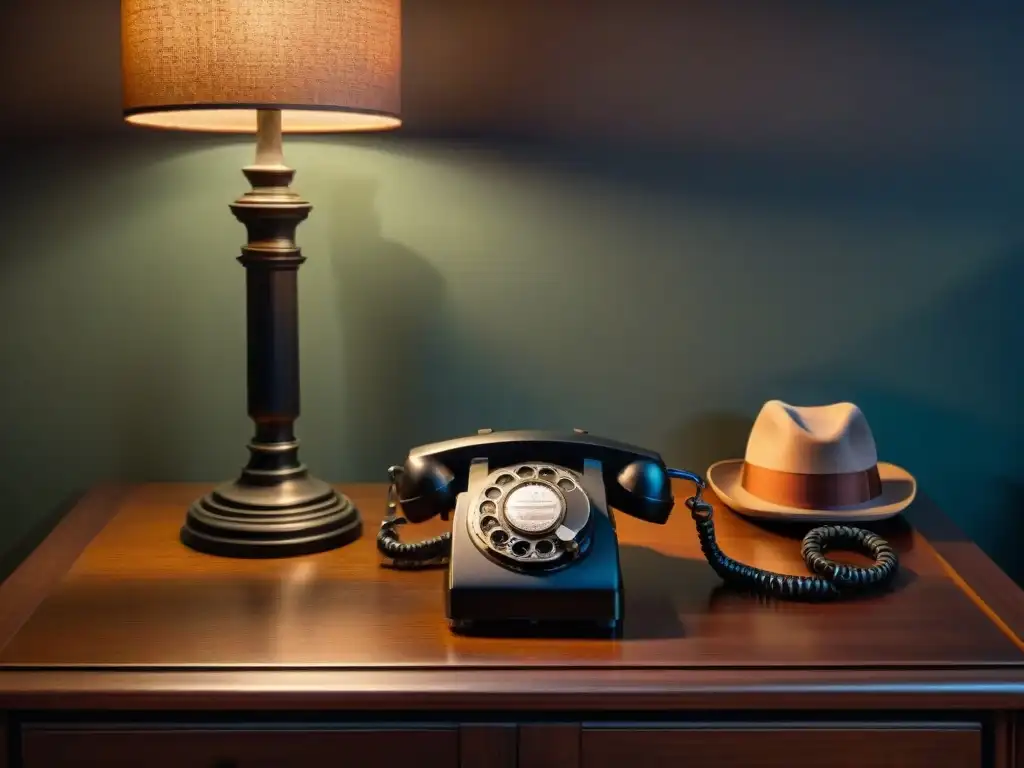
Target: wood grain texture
{"points": [[129, 747], [549, 745], [159, 626], [136, 596], [779, 746], [487, 746], [42, 570], [969, 567]]}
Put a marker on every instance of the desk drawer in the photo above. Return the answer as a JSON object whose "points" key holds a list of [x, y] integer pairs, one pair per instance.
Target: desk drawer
{"points": [[783, 745], [53, 746]]}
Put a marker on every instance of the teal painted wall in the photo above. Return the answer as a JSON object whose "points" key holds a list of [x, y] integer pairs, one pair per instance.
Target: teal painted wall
{"points": [[453, 287], [657, 295]]}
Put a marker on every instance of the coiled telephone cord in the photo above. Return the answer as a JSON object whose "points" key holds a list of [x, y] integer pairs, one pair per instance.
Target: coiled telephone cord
{"points": [[435, 549], [831, 580]]}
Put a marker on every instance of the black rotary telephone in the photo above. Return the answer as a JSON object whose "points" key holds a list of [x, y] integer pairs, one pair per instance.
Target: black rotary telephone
{"points": [[533, 536]]}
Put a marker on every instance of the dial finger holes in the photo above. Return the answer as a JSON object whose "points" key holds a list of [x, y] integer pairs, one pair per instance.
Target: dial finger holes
{"points": [[488, 507], [488, 522], [504, 479], [492, 492], [521, 548], [546, 474], [499, 537], [544, 547], [566, 484], [525, 471]]}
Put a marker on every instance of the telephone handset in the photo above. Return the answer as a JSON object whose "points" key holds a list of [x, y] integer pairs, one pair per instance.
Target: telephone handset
{"points": [[532, 504]]}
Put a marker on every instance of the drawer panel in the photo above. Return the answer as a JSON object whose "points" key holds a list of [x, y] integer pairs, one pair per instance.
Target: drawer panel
{"points": [[783, 745], [51, 746]]}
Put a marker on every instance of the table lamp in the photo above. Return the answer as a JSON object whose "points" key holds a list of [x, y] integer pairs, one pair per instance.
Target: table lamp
{"points": [[266, 67]]}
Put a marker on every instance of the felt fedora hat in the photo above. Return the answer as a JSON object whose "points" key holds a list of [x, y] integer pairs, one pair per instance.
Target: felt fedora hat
{"points": [[816, 463]]}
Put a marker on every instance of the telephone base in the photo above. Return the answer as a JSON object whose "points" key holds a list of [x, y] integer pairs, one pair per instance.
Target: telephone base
{"points": [[579, 600]]}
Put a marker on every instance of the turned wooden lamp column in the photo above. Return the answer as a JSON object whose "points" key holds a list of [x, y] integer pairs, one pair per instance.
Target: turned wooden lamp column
{"points": [[269, 67]]}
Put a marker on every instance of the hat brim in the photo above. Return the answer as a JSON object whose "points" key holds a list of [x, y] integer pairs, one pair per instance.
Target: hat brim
{"points": [[898, 489]]}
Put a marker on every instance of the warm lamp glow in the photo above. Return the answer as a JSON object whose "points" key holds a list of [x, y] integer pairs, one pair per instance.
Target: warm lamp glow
{"points": [[208, 65], [239, 120]]}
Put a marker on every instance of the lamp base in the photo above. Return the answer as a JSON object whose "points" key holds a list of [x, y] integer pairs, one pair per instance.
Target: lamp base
{"points": [[299, 516]]}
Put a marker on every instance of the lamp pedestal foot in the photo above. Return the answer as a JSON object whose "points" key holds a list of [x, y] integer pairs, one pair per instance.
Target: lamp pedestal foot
{"points": [[298, 516]]}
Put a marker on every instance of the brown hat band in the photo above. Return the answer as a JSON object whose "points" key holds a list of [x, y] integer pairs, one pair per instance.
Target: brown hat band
{"points": [[802, 491]]}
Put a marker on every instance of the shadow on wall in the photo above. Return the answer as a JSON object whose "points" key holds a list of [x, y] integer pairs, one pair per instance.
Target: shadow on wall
{"points": [[391, 310], [408, 373], [959, 429], [807, 77]]}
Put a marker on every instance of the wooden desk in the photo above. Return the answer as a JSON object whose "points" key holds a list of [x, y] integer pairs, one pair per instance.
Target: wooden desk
{"points": [[119, 646]]}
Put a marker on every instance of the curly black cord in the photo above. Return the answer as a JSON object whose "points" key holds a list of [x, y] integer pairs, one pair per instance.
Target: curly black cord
{"points": [[833, 579], [423, 552]]}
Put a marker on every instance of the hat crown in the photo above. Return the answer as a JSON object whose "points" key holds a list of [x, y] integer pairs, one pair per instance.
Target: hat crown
{"points": [[814, 440]]}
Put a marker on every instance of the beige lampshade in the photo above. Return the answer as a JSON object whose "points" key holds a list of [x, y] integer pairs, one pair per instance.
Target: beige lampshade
{"points": [[207, 65]]}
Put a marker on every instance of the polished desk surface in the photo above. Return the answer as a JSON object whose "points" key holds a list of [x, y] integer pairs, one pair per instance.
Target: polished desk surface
{"points": [[133, 595]]}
